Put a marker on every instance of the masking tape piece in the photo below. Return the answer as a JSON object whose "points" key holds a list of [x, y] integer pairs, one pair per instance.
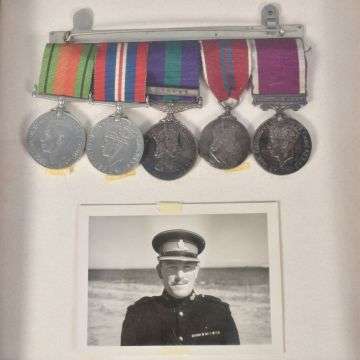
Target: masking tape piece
{"points": [[242, 167], [172, 208], [60, 172], [175, 351], [111, 178]]}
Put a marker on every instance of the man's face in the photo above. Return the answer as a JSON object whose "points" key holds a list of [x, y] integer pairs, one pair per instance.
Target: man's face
{"points": [[178, 277]]}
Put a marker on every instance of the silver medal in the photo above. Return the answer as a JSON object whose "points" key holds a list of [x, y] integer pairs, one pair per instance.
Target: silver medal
{"points": [[224, 143], [56, 139], [282, 145], [170, 148], [115, 145]]}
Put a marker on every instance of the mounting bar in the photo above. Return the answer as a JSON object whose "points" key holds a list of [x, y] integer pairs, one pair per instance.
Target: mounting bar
{"points": [[83, 33], [176, 34]]}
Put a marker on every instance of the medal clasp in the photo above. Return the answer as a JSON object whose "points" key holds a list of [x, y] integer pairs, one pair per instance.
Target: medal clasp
{"points": [[119, 114], [60, 106]]}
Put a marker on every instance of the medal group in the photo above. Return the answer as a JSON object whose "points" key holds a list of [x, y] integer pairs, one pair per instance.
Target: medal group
{"points": [[166, 76]]}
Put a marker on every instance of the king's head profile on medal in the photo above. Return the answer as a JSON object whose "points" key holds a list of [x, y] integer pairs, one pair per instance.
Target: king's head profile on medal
{"points": [[179, 316]]}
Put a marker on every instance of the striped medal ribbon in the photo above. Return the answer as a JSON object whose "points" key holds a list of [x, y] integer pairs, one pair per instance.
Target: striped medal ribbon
{"points": [[173, 71], [281, 144], [225, 143], [173, 86], [67, 70], [115, 144], [226, 68], [120, 72]]}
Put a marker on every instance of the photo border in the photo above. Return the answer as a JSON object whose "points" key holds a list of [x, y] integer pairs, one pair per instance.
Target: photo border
{"points": [[259, 352]]}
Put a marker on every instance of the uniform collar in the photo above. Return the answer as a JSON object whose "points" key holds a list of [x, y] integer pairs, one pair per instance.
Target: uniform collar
{"points": [[171, 300]]}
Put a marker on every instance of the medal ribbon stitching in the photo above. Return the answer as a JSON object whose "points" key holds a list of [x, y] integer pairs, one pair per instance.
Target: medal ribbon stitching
{"points": [[84, 73], [120, 72]]}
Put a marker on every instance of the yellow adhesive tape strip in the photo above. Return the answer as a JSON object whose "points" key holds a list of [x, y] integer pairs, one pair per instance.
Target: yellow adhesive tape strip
{"points": [[172, 208], [60, 172], [111, 178], [173, 351], [242, 167]]}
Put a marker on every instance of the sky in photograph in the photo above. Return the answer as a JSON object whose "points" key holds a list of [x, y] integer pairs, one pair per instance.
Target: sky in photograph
{"points": [[123, 242]]}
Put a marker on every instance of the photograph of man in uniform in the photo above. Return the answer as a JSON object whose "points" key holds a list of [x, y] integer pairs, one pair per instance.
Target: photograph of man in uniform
{"points": [[179, 316], [194, 279]]}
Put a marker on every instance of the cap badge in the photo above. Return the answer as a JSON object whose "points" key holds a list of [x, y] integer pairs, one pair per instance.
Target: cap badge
{"points": [[181, 245]]}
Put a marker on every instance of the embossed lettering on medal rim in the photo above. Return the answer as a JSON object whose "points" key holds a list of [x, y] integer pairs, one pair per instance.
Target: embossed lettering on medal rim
{"points": [[177, 166], [229, 159], [123, 131], [302, 135], [68, 130]]}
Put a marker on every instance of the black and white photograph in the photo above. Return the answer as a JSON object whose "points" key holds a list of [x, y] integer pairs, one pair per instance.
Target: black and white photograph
{"points": [[186, 279]]}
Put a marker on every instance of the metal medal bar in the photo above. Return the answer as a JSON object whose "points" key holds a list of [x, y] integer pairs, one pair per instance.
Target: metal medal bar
{"points": [[270, 27]]}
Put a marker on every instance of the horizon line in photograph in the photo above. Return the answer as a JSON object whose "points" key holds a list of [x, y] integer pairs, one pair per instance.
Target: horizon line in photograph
{"points": [[260, 266], [219, 277]]}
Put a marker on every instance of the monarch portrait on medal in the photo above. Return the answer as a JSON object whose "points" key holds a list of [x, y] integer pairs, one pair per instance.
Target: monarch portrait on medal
{"points": [[200, 277]]}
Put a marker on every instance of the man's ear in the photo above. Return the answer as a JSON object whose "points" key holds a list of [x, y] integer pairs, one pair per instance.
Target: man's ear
{"points": [[197, 268], [158, 269]]}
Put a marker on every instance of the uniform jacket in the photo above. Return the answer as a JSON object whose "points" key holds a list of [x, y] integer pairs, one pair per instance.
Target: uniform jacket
{"points": [[163, 320]]}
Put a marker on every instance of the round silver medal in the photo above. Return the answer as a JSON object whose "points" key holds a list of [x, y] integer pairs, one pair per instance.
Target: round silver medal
{"points": [[56, 139], [224, 142], [170, 149], [281, 145], [115, 145]]}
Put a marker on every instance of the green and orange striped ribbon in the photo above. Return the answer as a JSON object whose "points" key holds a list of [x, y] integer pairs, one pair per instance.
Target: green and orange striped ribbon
{"points": [[67, 70]]}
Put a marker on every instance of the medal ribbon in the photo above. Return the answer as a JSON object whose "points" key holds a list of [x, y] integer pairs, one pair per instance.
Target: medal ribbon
{"points": [[120, 72], [67, 70], [226, 67], [279, 67], [174, 64]]}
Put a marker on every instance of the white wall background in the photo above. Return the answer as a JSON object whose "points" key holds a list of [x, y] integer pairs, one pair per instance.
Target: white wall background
{"points": [[319, 205], [125, 242]]}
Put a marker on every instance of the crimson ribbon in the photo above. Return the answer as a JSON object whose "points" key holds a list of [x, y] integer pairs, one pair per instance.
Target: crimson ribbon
{"points": [[226, 67]]}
